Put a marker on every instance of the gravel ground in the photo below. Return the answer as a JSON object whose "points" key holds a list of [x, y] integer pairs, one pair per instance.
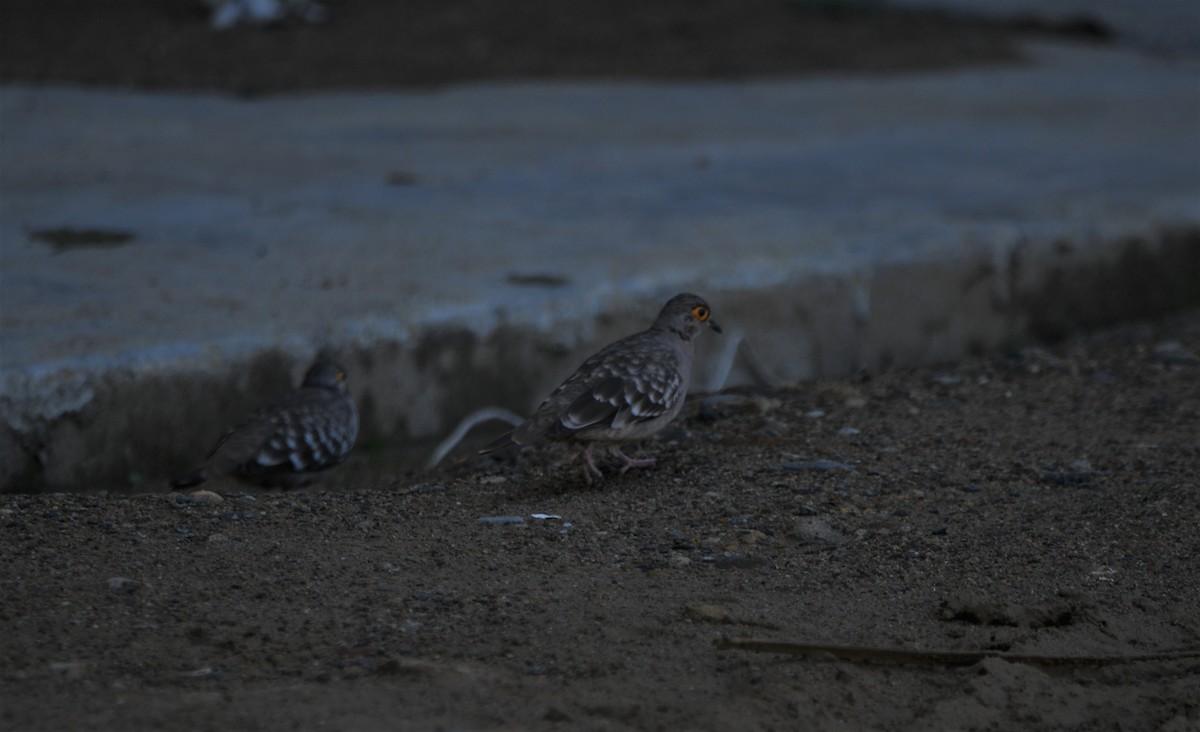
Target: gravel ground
{"points": [[1043, 502]]}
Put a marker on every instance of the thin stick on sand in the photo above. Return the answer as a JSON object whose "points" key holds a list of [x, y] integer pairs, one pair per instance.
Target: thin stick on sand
{"points": [[934, 657]]}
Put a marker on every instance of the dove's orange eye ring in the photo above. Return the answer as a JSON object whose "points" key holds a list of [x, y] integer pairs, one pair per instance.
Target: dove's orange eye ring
{"points": [[341, 375], [700, 313]]}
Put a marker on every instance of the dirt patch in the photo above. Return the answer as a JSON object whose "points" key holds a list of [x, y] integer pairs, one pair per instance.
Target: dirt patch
{"points": [[379, 44], [1041, 503], [67, 239]]}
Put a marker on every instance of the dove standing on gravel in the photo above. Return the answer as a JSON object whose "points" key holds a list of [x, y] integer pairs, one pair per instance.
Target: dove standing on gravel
{"points": [[311, 429], [628, 391]]}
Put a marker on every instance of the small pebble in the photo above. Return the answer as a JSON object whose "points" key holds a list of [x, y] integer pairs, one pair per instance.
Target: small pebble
{"points": [[822, 466], [69, 669], [753, 536], [811, 529], [1172, 353], [705, 613], [737, 560], [502, 520], [123, 585], [678, 560], [206, 498]]}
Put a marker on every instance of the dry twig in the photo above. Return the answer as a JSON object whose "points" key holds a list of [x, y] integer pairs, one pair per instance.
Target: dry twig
{"points": [[934, 657]]}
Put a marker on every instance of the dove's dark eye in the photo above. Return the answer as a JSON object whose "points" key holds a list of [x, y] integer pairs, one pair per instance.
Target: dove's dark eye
{"points": [[700, 313]]}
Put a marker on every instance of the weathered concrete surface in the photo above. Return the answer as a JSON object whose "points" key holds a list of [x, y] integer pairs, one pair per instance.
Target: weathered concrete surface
{"points": [[463, 248]]}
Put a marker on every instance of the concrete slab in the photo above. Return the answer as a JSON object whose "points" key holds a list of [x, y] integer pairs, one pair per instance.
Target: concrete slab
{"points": [[462, 248]]}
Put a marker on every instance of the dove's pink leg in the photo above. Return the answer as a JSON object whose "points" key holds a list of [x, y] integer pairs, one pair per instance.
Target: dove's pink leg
{"points": [[629, 462], [589, 465]]}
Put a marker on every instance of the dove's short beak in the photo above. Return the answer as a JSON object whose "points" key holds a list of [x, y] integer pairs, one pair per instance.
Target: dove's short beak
{"points": [[713, 324]]}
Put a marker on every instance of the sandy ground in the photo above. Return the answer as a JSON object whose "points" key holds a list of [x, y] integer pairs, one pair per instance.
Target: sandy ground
{"points": [[1043, 503]]}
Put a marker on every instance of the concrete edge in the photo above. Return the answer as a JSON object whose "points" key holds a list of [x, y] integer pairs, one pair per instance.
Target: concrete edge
{"points": [[122, 427]]}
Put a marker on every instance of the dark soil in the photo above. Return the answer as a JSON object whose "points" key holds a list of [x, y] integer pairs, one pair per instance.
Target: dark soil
{"points": [[379, 44], [1044, 502]]}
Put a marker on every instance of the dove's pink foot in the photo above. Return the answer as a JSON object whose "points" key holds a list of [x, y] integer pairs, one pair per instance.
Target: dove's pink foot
{"points": [[628, 463]]}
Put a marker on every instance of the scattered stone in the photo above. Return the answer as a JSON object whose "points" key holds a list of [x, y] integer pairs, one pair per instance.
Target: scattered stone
{"points": [[707, 614], [502, 520], [206, 672], [679, 560], [1077, 478], [492, 479], [813, 529], [848, 431], [1172, 353], [123, 585], [752, 537], [737, 560], [206, 498], [69, 669], [946, 403], [819, 466]]}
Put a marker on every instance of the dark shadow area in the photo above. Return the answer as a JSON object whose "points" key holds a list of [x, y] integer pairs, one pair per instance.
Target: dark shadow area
{"points": [[381, 44]]}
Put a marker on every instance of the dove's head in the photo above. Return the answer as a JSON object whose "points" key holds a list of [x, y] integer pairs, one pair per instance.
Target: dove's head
{"points": [[326, 375], [687, 315]]}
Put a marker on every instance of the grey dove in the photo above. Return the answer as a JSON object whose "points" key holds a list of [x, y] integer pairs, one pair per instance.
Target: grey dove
{"points": [[284, 443], [628, 391]]}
